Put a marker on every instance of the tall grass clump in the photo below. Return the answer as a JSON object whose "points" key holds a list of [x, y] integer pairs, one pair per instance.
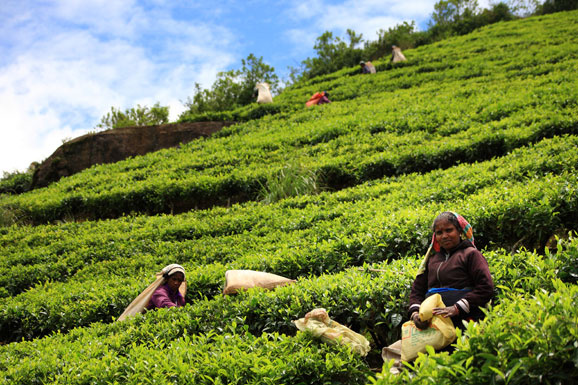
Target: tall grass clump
{"points": [[292, 180]]}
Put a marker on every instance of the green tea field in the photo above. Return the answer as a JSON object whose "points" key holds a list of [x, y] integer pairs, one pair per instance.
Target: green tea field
{"points": [[485, 125]]}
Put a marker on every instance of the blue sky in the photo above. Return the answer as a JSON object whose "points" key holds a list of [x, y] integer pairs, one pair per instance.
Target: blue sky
{"points": [[65, 63]]}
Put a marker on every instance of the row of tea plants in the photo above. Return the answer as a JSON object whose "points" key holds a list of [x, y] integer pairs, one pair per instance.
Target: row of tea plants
{"points": [[191, 342], [90, 271]]}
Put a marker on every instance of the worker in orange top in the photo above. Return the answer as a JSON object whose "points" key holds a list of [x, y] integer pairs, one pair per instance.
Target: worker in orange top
{"points": [[318, 98]]}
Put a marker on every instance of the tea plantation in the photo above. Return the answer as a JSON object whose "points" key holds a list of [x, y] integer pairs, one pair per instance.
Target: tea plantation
{"points": [[484, 124]]}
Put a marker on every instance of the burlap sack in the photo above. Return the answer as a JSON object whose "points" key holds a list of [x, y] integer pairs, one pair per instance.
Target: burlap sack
{"points": [[237, 280], [396, 55], [264, 95], [392, 352]]}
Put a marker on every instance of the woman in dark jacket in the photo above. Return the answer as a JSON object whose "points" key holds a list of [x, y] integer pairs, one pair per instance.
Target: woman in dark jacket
{"points": [[456, 270]]}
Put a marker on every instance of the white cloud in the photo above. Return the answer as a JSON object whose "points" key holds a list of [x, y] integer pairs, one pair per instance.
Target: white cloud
{"points": [[87, 56], [366, 17], [307, 9]]}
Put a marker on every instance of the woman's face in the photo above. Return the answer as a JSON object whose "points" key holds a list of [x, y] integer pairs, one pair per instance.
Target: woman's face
{"points": [[175, 281], [447, 234]]}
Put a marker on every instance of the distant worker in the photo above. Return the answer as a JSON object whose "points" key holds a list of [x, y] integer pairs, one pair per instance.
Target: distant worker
{"points": [[367, 67], [168, 290], [396, 54], [318, 98], [263, 93], [168, 294]]}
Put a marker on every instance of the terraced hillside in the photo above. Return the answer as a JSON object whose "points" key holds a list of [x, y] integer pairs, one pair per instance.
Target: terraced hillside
{"points": [[485, 124], [459, 101]]}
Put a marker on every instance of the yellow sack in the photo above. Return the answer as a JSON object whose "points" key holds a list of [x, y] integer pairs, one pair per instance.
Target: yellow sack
{"points": [[427, 306], [320, 325], [440, 334]]}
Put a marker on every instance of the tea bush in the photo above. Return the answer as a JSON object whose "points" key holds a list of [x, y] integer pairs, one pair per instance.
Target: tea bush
{"points": [[212, 358], [293, 242], [36, 254], [371, 299]]}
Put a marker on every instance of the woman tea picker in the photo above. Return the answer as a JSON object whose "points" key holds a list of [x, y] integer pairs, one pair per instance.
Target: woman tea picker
{"points": [[458, 273], [456, 270], [168, 290], [168, 295]]}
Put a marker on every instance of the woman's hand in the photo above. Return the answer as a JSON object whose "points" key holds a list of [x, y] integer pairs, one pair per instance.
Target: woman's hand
{"points": [[418, 322], [445, 312]]}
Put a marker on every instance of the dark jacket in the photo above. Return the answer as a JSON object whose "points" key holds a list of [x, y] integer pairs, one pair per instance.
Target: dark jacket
{"points": [[462, 268]]}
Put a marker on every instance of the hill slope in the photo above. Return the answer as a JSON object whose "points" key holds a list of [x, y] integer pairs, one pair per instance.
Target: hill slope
{"points": [[484, 124], [458, 101]]}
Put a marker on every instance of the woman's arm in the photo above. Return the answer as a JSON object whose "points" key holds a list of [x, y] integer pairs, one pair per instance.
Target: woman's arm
{"points": [[418, 290], [161, 298], [482, 283]]}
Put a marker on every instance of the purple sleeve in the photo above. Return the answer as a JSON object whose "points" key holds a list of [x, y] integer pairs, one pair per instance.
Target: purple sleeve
{"points": [[161, 298]]}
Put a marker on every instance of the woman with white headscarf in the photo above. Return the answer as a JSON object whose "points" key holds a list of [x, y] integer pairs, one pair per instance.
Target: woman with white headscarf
{"points": [[168, 295], [168, 290]]}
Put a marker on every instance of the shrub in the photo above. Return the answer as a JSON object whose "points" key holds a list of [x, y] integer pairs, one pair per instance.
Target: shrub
{"points": [[139, 116], [16, 182]]}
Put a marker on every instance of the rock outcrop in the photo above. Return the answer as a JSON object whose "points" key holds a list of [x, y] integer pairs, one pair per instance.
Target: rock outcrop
{"points": [[118, 144]]}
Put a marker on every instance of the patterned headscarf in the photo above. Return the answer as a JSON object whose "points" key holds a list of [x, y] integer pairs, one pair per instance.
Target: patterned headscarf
{"points": [[467, 233]]}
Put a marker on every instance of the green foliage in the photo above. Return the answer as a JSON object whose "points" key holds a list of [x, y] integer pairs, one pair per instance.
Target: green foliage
{"points": [[139, 116], [7, 218], [392, 155], [333, 53], [551, 6], [450, 18], [459, 17], [232, 89], [527, 338], [523, 8], [402, 35], [211, 358], [520, 200], [13, 183], [508, 87], [241, 114], [16, 182], [370, 299], [451, 11]]}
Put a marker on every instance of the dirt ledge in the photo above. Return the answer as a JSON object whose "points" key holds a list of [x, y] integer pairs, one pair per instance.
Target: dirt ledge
{"points": [[118, 144]]}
